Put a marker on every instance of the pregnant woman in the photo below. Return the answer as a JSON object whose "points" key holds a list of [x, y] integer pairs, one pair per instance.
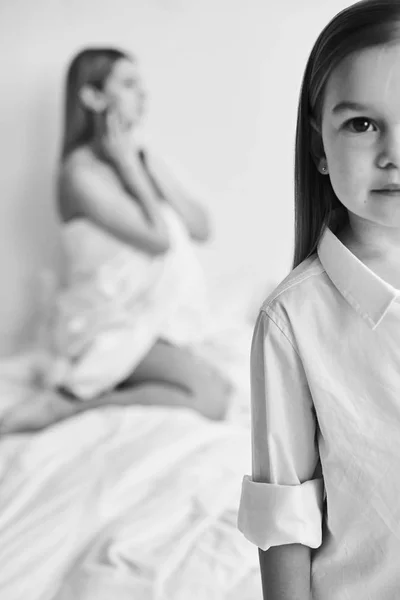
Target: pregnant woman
{"points": [[134, 306]]}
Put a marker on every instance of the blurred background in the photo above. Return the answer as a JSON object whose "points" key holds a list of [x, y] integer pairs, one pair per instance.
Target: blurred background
{"points": [[223, 79]]}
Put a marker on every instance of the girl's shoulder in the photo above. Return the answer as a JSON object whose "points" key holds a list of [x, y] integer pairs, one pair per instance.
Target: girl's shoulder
{"points": [[301, 299], [304, 285]]}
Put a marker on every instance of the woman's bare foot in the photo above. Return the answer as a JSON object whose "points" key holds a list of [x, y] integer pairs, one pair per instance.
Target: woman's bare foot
{"points": [[42, 409]]}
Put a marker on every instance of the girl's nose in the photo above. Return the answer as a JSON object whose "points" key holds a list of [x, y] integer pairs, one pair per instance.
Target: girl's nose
{"points": [[389, 157]]}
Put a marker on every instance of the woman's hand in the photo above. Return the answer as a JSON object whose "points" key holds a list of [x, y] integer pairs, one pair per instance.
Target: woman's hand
{"points": [[43, 409], [181, 199], [119, 148]]}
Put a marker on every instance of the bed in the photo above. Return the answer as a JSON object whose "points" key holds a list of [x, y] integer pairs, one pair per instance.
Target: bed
{"points": [[135, 503]]}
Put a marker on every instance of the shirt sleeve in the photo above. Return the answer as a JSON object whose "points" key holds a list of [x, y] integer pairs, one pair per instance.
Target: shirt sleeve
{"points": [[282, 502]]}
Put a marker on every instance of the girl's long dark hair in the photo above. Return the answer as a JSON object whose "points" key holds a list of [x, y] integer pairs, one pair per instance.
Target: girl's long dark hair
{"points": [[363, 25], [91, 66]]}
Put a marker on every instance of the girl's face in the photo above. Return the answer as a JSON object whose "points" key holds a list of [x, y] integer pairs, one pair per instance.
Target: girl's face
{"points": [[123, 92], [361, 134]]}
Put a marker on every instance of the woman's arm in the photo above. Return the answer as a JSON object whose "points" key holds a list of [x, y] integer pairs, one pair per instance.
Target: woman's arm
{"points": [[194, 216], [285, 572], [114, 210], [135, 181]]}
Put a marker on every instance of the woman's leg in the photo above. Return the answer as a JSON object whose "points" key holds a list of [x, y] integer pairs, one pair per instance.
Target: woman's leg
{"points": [[191, 381], [145, 394]]}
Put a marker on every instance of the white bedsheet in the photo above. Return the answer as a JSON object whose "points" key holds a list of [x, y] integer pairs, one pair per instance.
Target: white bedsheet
{"points": [[119, 302], [130, 502], [144, 498]]}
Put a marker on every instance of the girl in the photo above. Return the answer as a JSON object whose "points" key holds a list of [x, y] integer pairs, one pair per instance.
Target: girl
{"points": [[322, 502], [134, 304]]}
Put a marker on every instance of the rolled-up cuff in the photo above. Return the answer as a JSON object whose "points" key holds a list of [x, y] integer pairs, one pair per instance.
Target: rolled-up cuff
{"points": [[274, 515]]}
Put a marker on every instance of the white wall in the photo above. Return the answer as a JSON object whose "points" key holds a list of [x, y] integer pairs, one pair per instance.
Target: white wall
{"points": [[223, 78]]}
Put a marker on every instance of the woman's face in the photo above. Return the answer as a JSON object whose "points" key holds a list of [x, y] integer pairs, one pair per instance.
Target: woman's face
{"points": [[124, 92]]}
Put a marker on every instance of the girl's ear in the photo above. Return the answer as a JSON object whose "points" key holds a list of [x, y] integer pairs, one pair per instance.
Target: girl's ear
{"points": [[92, 99], [317, 146]]}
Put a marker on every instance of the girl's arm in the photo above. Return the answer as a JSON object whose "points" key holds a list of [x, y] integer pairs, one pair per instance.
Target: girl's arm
{"points": [[281, 507], [182, 200], [285, 572]]}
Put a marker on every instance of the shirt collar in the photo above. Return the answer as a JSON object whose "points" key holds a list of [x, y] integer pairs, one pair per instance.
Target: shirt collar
{"points": [[366, 292]]}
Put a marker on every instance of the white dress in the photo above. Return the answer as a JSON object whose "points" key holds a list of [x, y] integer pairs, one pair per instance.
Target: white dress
{"points": [[118, 301]]}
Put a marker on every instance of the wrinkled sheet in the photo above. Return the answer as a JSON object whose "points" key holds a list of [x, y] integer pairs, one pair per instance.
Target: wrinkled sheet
{"points": [[131, 502]]}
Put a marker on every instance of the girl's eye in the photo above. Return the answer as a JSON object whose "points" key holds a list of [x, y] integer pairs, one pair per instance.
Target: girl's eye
{"points": [[359, 125]]}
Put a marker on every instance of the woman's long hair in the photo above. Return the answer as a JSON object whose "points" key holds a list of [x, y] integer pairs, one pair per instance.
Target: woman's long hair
{"points": [[91, 66], [363, 25]]}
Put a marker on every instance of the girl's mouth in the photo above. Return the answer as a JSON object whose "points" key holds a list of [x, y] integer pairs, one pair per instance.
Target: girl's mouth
{"points": [[389, 190]]}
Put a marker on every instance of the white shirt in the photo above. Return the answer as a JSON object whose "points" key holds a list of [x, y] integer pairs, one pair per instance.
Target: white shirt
{"points": [[325, 377]]}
